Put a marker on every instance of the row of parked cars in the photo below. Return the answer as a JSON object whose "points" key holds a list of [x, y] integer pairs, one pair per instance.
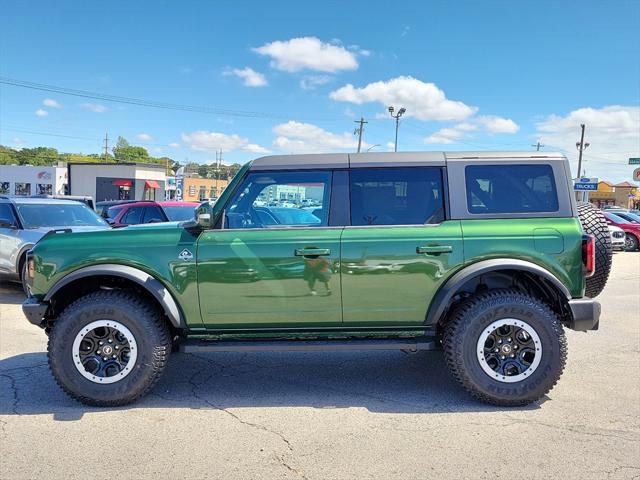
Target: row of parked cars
{"points": [[25, 220], [624, 226]]}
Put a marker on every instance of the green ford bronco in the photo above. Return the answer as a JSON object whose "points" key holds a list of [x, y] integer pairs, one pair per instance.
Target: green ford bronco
{"points": [[486, 256]]}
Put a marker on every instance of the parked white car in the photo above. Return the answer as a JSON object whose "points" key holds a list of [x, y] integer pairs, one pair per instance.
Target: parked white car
{"points": [[617, 237]]}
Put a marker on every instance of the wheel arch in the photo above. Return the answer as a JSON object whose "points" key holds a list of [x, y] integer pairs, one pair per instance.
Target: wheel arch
{"points": [[146, 282], [21, 257], [475, 273]]}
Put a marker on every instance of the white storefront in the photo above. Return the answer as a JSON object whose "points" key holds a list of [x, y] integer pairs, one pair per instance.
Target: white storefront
{"points": [[26, 180], [118, 181]]}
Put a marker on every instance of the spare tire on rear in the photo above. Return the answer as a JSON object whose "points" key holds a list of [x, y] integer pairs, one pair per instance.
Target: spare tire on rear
{"points": [[594, 223]]}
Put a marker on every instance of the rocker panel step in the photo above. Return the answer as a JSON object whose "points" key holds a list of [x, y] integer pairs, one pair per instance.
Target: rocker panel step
{"points": [[409, 344]]}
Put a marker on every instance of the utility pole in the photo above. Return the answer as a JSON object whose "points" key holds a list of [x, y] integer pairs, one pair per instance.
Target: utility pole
{"points": [[581, 146], [397, 117], [106, 147], [359, 131], [538, 145]]}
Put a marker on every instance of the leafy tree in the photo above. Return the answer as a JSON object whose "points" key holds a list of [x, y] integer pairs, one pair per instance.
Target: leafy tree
{"points": [[125, 152]]}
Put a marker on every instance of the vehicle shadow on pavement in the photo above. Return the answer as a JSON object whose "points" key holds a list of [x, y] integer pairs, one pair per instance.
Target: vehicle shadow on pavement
{"points": [[381, 382], [11, 293]]}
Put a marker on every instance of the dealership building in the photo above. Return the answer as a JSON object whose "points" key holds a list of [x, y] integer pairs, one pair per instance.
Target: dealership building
{"points": [[117, 181], [27, 180]]}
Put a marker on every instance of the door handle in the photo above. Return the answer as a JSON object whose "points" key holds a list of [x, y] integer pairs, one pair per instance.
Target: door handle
{"points": [[312, 252], [435, 249]]}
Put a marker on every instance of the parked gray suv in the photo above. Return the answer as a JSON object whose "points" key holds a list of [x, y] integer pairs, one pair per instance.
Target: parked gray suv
{"points": [[24, 221]]}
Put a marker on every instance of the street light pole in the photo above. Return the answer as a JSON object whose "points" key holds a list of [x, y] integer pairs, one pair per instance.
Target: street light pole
{"points": [[397, 117]]}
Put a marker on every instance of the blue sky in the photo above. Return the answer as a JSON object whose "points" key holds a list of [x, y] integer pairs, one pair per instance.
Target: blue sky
{"points": [[472, 76]]}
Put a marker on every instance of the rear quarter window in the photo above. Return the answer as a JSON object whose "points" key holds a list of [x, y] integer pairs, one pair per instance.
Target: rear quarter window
{"points": [[510, 189]]}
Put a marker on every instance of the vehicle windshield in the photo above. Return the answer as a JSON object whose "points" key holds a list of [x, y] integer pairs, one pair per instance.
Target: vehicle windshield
{"points": [[180, 213], [616, 218], [36, 215]]}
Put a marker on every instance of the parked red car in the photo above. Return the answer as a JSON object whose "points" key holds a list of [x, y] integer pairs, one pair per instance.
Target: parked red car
{"points": [[631, 230], [133, 213]]}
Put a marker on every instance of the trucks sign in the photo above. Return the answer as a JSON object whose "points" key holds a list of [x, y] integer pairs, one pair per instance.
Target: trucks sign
{"points": [[586, 184]]}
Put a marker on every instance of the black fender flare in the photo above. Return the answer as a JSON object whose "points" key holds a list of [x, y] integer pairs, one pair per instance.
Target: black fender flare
{"points": [[448, 290], [146, 281]]}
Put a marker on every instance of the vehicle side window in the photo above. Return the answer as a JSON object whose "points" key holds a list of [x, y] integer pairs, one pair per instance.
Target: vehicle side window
{"points": [[153, 214], [133, 216], [281, 199], [111, 212], [396, 196], [510, 189], [7, 218]]}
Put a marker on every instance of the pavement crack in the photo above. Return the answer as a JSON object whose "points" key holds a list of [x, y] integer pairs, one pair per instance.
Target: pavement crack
{"points": [[194, 392], [14, 390]]}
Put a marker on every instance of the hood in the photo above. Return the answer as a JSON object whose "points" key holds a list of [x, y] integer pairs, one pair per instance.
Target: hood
{"points": [[92, 228]]}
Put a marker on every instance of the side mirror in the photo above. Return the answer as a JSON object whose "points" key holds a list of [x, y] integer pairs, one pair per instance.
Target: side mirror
{"points": [[203, 216], [6, 224]]}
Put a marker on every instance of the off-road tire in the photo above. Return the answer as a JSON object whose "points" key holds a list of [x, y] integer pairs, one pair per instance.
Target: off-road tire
{"points": [[23, 276], [467, 323], [630, 242], [594, 223], [145, 323]]}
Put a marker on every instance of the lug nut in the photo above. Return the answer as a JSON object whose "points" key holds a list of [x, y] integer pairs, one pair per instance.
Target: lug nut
{"points": [[117, 347], [496, 350], [499, 341], [512, 355], [111, 341], [100, 343], [113, 356], [502, 357], [105, 358], [508, 339]]}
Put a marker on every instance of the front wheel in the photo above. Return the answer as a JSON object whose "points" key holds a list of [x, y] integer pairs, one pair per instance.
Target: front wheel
{"points": [[505, 347], [630, 242], [108, 348]]}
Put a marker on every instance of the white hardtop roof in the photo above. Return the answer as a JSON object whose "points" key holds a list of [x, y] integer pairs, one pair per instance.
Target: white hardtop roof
{"points": [[379, 159]]}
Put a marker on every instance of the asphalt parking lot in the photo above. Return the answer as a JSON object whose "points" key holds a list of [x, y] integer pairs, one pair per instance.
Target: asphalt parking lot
{"points": [[330, 415]]}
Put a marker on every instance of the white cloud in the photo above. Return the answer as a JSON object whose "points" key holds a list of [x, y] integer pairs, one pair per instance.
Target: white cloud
{"points": [[144, 137], [306, 138], [308, 53], [445, 136], [424, 101], [494, 124], [249, 75], [612, 131], [391, 146], [310, 82], [204, 141], [94, 107], [174, 145], [41, 113], [51, 103], [489, 124]]}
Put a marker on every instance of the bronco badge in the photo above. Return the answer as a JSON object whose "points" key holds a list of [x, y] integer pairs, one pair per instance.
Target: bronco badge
{"points": [[185, 255]]}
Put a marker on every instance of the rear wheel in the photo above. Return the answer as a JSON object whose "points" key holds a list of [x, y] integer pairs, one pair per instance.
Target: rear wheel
{"points": [[108, 348], [594, 223], [630, 242], [505, 347]]}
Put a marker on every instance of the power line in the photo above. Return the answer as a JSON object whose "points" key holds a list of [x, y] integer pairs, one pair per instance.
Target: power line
{"points": [[34, 132], [139, 101]]}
